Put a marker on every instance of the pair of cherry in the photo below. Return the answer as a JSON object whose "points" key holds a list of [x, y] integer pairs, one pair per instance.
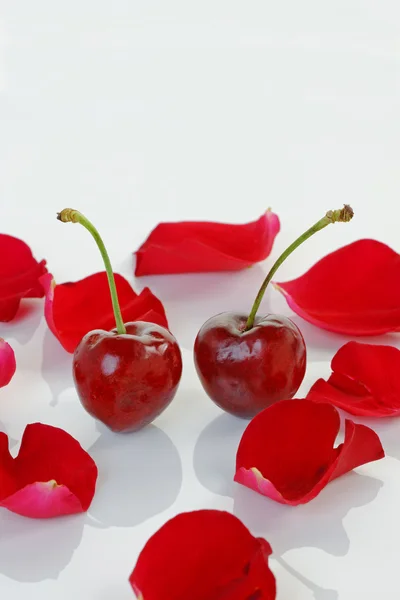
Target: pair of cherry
{"points": [[126, 377]]}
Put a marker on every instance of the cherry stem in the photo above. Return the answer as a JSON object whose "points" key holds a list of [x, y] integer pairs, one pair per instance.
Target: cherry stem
{"points": [[342, 215], [69, 215]]}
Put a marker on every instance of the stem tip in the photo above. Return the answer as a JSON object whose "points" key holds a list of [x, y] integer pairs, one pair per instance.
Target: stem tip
{"points": [[342, 215], [68, 215]]}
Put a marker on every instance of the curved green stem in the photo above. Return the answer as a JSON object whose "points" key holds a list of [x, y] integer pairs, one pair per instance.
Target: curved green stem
{"points": [[342, 215], [69, 215]]}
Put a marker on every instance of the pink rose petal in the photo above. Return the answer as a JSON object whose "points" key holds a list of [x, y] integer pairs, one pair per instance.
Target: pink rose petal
{"points": [[7, 363], [43, 500], [51, 476]]}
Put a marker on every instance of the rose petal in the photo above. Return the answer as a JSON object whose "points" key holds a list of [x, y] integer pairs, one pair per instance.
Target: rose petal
{"points": [[287, 451], [205, 554], [7, 363], [74, 309], [43, 500], [51, 476], [19, 275], [198, 247], [354, 290], [365, 381]]}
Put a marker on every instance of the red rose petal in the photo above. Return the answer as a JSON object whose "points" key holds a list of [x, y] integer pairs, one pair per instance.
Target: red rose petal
{"points": [[74, 309], [365, 381], [19, 275], [354, 290], [7, 363], [205, 554], [51, 476], [287, 451], [198, 247]]}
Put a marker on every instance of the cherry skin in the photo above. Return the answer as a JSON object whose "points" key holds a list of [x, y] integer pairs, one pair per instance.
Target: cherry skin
{"points": [[243, 372], [127, 380]]}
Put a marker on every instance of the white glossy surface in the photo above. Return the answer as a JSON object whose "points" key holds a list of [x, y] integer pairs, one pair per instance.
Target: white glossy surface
{"points": [[180, 110]]}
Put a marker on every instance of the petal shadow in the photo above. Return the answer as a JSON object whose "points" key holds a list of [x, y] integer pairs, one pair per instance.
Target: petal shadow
{"points": [[122, 591], [34, 550], [318, 524], [27, 320], [56, 367], [319, 593]]}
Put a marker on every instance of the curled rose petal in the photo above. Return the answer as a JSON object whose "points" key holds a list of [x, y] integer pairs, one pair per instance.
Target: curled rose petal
{"points": [[354, 290], [199, 247], [7, 363], [204, 554], [51, 476], [19, 275], [74, 309], [287, 451], [365, 381]]}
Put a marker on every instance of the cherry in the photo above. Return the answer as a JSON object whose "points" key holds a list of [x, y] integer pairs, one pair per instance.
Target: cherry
{"points": [[135, 377], [246, 371], [246, 363], [125, 377]]}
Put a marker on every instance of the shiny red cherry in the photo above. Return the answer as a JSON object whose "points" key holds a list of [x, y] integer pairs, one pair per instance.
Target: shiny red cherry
{"points": [[127, 380], [245, 362], [125, 377], [242, 371]]}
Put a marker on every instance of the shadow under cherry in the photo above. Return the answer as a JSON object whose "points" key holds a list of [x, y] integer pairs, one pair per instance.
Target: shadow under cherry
{"points": [[215, 452], [141, 472]]}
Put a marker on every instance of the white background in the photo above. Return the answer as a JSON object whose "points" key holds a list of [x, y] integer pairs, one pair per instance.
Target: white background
{"points": [[137, 112]]}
